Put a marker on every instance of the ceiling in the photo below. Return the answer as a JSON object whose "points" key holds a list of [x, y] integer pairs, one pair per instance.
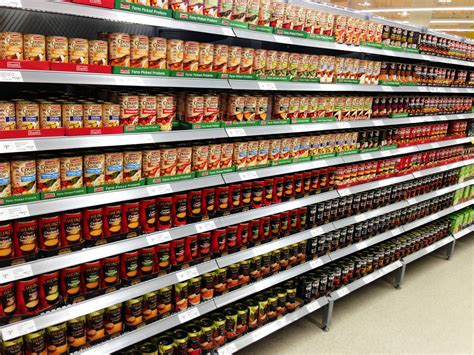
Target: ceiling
{"points": [[400, 10]]}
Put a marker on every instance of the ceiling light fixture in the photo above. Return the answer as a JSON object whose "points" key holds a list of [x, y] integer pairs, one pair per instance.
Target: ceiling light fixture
{"points": [[422, 9], [452, 21]]}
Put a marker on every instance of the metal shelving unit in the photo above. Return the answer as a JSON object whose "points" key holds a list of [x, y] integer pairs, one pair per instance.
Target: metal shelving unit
{"points": [[462, 233], [427, 250], [272, 327], [65, 8]]}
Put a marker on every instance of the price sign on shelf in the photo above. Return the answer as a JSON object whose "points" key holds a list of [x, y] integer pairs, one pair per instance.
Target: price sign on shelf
{"points": [[343, 125], [158, 238], [236, 132], [315, 263], [361, 245], [316, 231], [228, 349], [430, 248], [298, 127], [7, 213], [159, 189], [369, 278], [266, 85], [16, 273], [342, 292], [283, 39], [227, 31], [187, 274], [261, 285], [11, 76], [188, 315], [205, 226], [313, 306], [18, 146], [17, 330], [248, 175]]}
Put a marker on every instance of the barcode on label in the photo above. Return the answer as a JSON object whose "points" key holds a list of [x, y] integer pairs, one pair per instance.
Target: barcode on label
{"points": [[266, 86], [11, 76], [283, 39], [313, 306], [187, 274], [205, 226], [315, 263], [342, 292], [7, 213], [17, 273]]}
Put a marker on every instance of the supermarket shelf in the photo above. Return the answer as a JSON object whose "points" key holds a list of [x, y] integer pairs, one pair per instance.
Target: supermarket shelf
{"points": [[439, 169], [82, 308], [135, 18], [227, 260], [430, 248], [446, 143], [57, 77], [272, 327], [81, 201], [280, 170], [150, 330], [327, 126], [463, 232], [365, 243], [106, 140], [374, 185], [345, 290], [255, 287], [369, 214], [65, 8]]}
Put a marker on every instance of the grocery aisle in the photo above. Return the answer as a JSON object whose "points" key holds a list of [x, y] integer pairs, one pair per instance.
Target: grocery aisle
{"points": [[432, 313]]}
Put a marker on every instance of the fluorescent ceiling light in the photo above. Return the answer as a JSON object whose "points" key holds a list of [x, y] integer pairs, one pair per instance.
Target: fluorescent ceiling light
{"points": [[423, 9], [452, 21], [454, 29]]}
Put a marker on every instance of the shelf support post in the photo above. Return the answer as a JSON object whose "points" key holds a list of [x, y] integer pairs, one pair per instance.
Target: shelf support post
{"points": [[327, 314], [400, 275]]}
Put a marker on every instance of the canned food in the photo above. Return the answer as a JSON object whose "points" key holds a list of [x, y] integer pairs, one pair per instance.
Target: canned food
{"points": [[111, 114], [57, 49], [11, 46], [119, 49], [34, 46], [27, 114], [206, 56], [139, 47], [175, 54], [98, 52], [78, 49], [94, 169], [114, 167], [73, 115], [23, 172], [220, 58]]}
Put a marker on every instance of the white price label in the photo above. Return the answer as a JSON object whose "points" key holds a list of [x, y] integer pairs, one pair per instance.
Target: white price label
{"points": [[315, 263], [316, 231], [298, 127], [313, 306], [227, 31], [236, 132], [387, 88], [342, 292], [13, 3], [266, 86], [11, 76], [18, 330], [365, 156], [14, 212], [128, 80], [158, 238], [188, 315], [261, 285], [361, 245], [205, 226], [283, 39], [435, 145], [369, 278], [343, 125], [344, 192], [18, 146], [16, 273], [159, 189], [248, 175], [359, 218], [228, 349], [187, 274], [430, 248]]}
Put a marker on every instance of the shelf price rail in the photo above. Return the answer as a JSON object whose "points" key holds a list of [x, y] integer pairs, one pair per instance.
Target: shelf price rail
{"points": [[102, 14], [62, 314]]}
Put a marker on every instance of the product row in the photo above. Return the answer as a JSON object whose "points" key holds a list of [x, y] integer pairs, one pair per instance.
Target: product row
{"points": [[207, 333], [342, 29], [112, 109], [461, 219]]}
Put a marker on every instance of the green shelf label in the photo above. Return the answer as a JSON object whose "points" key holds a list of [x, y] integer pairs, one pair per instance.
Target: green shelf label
{"points": [[292, 33], [372, 44], [235, 24], [301, 159], [63, 193], [141, 129], [197, 18], [112, 187], [161, 179], [274, 122], [253, 167], [257, 28], [308, 80], [388, 147], [300, 120], [140, 71], [348, 152], [240, 123], [409, 84], [389, 82], [319, 37], [281, 162], [368, 150], [392, 48], [237, 76], [324, 156], [274, 77], [399, 115], [215, 172], [10, 200], [348, 81], [323, 119], [142, 9], [199, 125], [412, 50], [192, 74]]}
